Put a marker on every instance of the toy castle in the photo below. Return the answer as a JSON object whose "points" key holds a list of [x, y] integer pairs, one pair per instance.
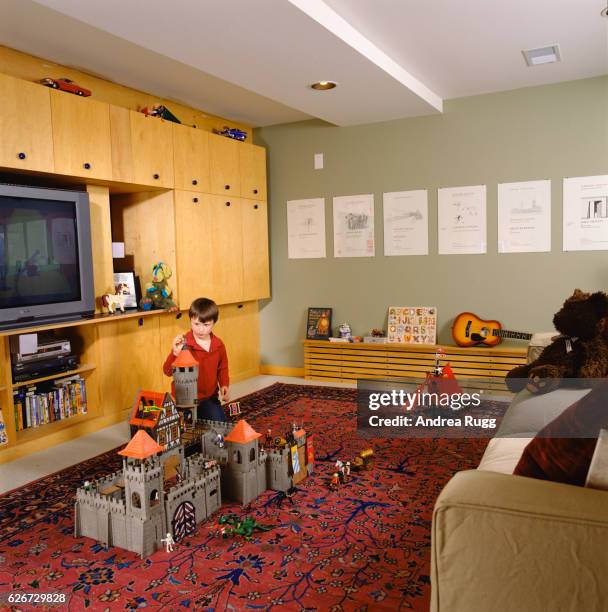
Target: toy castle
{"points": [[159, 491]]}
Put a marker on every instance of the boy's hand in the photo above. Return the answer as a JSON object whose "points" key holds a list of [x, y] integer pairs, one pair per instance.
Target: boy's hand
{"points": [[178, 342], [225, 393]]}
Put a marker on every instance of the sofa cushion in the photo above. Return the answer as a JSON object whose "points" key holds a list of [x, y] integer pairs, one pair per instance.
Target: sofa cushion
{"points": [[553, 456], [525, 417]]}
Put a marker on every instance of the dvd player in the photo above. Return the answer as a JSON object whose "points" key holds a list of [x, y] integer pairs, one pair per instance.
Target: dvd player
{"points": [[43, 367]]}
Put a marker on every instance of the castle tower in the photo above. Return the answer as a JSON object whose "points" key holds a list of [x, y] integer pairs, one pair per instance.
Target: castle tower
{"points": [[185, 381], [144, 501], [242, 480]]}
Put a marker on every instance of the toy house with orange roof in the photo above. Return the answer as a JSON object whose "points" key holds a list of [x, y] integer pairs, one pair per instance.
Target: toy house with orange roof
{"points": [[157, 414]]}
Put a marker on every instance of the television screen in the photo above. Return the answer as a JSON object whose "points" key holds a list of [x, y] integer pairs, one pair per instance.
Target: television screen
{"points": [[39, 261]]}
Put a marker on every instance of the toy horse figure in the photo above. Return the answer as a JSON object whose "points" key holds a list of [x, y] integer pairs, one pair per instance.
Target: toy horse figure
{"points": [[111, 301]]}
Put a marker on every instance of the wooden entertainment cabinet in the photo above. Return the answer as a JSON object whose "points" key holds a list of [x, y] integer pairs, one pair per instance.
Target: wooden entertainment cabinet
{"points": [[173, 193]]}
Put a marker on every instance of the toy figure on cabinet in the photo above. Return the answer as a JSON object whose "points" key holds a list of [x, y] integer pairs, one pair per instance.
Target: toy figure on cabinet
{"points": [[158, 290], [117, 299]]}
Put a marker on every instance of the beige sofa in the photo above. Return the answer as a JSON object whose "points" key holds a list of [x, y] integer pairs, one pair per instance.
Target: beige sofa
{"points": [[504, 542]]}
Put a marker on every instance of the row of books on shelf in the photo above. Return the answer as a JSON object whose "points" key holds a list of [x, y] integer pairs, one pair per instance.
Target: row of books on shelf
{"points": [[43, 403]]}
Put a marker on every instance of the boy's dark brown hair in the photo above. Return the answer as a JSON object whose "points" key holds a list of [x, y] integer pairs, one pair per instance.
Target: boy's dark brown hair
{"points": [[204, 310]]}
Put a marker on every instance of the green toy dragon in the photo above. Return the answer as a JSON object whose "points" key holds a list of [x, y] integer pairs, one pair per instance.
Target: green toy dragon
{"points": [[233, 525]]}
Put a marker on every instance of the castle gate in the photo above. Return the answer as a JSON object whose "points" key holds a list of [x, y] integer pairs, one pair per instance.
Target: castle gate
{"points": [[184, 520]]}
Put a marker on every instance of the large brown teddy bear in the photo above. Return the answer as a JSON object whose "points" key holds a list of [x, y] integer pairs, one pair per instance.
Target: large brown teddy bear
{"points": [[581, 351]]}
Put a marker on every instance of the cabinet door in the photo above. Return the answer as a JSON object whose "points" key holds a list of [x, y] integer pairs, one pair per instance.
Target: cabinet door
{"points": [[224, 165], [252, 163], [191, 158], [152, 146], [226, 251], [81, 136], [26, 140], [192, 242], [256, 276], [122, 151]]}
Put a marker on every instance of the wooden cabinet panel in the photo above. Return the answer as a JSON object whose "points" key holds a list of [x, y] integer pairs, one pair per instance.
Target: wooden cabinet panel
{"points": [[25, 125], [226, 251], [252, 163], [152, 148], [81, 136], [224, 165], [122, 153], [193, 246], [191, 158], [256, 275], [139, 352], [239, 328]]}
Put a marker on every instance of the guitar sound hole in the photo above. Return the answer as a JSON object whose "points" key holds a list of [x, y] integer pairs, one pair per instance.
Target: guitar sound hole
{"points": [[484, 331]]}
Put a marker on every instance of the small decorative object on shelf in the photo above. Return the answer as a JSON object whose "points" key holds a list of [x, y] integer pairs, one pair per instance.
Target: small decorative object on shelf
{"points": [[66, 85], [345, 330], [376, 336], [318, 323], [158, 290], [146, 303], [233, 133], [159, 110], [131, 282], [111, 301]]}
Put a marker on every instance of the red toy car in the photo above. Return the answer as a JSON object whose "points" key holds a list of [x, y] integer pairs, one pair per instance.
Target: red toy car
{"points": [[66, 85]]}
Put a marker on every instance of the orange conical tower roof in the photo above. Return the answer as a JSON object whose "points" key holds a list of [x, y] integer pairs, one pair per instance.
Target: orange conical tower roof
{"points": [[242, 433], [184, 360], [141, 446]]}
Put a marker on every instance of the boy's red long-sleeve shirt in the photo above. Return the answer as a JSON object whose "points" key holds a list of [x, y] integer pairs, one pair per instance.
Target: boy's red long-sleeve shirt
{"points": [[212, 365]]}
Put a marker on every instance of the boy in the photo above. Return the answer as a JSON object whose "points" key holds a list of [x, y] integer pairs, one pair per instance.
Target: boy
{"points": [[210, 353]]}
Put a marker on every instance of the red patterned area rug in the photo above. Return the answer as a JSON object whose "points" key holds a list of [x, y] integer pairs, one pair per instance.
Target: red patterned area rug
{"points": [[365, 546]]}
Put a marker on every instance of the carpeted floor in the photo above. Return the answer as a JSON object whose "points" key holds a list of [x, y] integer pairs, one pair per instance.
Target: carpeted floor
{"points": [[365, 546]]}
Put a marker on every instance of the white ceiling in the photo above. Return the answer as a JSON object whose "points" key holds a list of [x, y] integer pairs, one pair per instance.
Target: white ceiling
{"points": [[252, 60]]}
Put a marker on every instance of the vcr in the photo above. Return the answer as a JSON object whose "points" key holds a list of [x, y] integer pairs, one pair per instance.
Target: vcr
{"points": [[44, 367]]}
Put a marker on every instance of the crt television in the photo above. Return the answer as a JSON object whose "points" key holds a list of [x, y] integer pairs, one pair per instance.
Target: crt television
{"points": [[46, 262]]}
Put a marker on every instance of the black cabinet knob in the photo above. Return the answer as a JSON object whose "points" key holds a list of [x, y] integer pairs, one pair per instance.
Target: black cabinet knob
{"points": [[227, 203], [255, 206], [87, 166], [255, 191], [226, 186], [156, 177], [195, 200], [194, 182], [21, 155]]}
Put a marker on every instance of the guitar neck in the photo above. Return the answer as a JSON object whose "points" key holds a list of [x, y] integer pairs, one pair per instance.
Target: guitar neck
{"points": [[505, 333]]}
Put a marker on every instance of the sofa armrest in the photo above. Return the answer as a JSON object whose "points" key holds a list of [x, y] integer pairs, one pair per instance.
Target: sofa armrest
{"points": [[503, 542]]}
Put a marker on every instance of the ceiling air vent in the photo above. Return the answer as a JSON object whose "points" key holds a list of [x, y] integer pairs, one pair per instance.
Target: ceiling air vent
{"points": [[542, 55]]}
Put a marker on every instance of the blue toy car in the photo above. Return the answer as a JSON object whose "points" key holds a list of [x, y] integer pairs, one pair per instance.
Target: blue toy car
{"points": [[232, 133]]}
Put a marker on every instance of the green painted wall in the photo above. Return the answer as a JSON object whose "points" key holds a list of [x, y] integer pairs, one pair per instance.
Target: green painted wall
{"points": [[547, 132]]}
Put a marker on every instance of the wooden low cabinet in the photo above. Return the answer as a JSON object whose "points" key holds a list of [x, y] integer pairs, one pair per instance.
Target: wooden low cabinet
{"points": [[348, 362]]}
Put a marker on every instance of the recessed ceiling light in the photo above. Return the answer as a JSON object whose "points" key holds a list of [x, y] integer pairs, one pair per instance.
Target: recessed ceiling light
{"points": [[542, 55], [324, 85]]}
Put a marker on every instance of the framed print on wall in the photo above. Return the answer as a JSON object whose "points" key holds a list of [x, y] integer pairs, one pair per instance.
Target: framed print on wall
{"points": [[318, 324]]}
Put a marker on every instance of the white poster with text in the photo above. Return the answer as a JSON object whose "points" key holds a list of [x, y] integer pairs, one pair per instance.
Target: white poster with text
{"points": [[306, 228], [462, 220], [524, 217], [586, 213], [406, 223], [354, 226]]}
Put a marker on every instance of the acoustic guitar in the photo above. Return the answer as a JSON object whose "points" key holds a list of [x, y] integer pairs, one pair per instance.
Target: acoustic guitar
{"points": [[469, 330]]}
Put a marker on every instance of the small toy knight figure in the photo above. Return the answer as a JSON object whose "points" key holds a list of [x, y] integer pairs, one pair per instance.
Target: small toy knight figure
{"points": [[269, 437], [87, 485], [294, 427], [347, 470], [335, 481], [170, 541], [220, 440]]}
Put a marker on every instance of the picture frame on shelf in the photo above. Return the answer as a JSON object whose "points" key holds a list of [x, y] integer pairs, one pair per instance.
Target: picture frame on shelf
{"points": [[132, 282], [318, 323]]}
